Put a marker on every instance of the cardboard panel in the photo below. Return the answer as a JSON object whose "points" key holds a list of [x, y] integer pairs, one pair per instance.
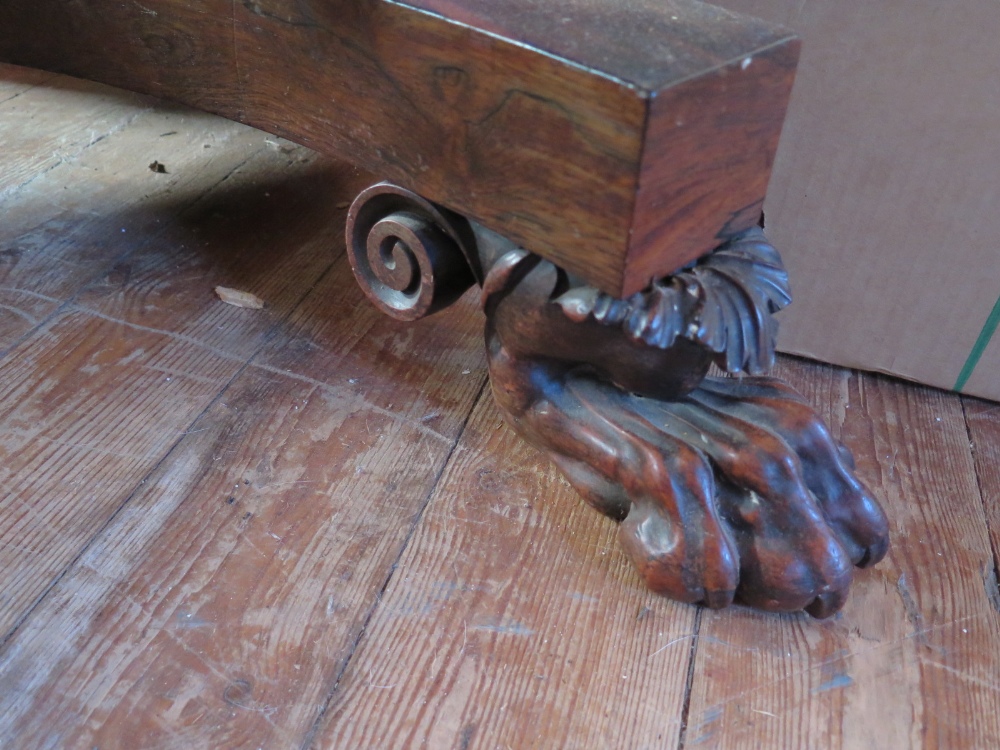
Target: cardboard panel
{"points": [[885, 193]]}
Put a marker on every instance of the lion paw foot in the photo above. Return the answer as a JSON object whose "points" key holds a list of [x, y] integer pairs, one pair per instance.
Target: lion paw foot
{"points": [[736, 492]]}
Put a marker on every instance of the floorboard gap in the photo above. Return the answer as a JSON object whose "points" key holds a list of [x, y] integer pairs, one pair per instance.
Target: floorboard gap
{"points": [[991, 577], [265, 339], [689, 683], [317, 724]]}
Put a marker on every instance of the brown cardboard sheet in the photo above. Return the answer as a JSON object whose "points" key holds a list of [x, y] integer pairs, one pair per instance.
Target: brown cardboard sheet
{"points": [[885, 196]]}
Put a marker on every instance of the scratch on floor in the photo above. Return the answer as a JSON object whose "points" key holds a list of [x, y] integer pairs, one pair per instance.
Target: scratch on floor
{"points": [[371, 681], [174, 335], [249, 542], [860, 654], [28, 292], [705, 728], [352, 395], [265, 711], [190, 621], [840, 681], [988, 684], [30, 319], [668, 644], [512, 628], [910, 605]]}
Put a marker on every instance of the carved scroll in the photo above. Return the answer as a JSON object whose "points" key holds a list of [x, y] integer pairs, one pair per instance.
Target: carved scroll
{"points": [[409, 256]]}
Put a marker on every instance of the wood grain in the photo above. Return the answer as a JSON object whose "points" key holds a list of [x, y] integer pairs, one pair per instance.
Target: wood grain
{"points": [[513, 620], [909, 663], [675, 200], [82, 393], [90, 208], [240, 575], [180, 623], [561, 140], [314, 429], [983, 419], [44, 143]]}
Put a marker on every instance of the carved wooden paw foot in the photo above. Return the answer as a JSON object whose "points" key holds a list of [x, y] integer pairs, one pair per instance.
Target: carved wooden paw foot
{"points": [[727, 489], [735, 491]]}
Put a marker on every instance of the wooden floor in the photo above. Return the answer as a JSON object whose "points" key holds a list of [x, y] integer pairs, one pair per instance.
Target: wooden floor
{"points": [[307, 526]]}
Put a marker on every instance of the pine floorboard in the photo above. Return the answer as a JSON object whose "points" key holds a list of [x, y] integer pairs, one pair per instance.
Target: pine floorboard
{"points": [[308, 527]]}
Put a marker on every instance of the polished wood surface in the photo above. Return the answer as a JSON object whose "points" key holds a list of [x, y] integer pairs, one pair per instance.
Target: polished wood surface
{"points": [[727, 489], [621, 145], [306, 526]]}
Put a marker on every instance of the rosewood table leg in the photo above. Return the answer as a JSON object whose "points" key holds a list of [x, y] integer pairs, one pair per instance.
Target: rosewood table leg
{"points": [[598, 167], [727, 489]]}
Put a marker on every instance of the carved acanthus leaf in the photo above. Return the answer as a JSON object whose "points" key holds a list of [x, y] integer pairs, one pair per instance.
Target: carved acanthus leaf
{"points": [[725, 302]]}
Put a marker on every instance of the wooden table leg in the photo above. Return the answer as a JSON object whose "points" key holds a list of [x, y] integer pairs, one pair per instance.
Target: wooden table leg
{"points": [[599, 168], [727, 488]]}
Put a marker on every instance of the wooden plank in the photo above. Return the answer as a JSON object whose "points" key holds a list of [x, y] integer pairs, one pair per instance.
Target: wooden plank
{"points": [[72, 222], [77, 114], [912, 661], [983, 419], [554, 140], [513, 620], [15, 80], [93, 400], [219, 606], [116, 379]]}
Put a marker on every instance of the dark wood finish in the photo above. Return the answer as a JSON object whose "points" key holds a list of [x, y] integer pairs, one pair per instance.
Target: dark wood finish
{"points": [[512, 616], [656, 124], [619, 143], [725, 488], [412, 258]]}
